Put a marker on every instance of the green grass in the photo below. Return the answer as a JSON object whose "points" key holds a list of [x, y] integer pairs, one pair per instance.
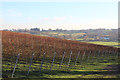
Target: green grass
{"points": [[77, 34], [53, 33], [42, 35], [95, 68], [79, 39], [114, 44]]}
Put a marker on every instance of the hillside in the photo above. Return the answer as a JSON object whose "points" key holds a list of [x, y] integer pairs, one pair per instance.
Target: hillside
{"points": [[26, 44], [27, 65]]}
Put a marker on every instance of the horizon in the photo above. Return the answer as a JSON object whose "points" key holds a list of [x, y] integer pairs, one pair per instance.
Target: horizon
{"points": [[64, 15], [58, 28]]}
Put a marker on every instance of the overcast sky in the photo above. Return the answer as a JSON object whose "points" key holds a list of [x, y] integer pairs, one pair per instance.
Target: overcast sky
{"points": [[65, 15]]}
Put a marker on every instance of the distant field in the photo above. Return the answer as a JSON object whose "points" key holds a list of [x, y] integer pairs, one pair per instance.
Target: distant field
{"points": [[77, 34], [114, 44]]}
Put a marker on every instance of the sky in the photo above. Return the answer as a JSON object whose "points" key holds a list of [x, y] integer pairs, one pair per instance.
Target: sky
{"points": [[63, 15]]}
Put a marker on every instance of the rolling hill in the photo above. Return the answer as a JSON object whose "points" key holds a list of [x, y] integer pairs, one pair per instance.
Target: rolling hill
{"points": [[26, 44]]}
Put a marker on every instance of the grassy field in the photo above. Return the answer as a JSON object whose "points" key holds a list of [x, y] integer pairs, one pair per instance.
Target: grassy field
{"points": [[114, 44]]}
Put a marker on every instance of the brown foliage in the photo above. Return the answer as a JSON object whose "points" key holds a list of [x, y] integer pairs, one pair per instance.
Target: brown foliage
{"points": [[26, 44]]}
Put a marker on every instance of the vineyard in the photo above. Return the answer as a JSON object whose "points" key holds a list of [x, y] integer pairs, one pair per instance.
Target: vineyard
{"points": [[31, 56]]}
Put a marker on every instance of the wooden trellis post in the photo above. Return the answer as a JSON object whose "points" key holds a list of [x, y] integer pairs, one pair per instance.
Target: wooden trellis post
{"points": [[77, 57], [42, 62], [88, 57], [53, 61], [62, 59], [97, 55], [15, 65], [114, 54], [93, 55], [105, 54], [30, 64], [70, 58], [109, 54], [82, 58]]}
